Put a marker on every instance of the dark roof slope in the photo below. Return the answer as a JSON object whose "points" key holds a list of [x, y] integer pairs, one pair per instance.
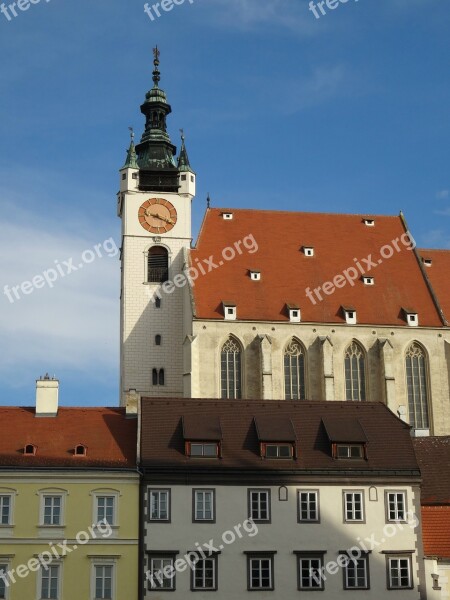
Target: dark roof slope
{"points": [[286, 272], [162, 442], [433, 456], [109, 436]]}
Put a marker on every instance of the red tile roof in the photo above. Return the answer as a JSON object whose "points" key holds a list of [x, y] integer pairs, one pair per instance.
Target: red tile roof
{"points": [[109, 436], [286, 272], [433, 456], [162, 442], [436, 531], [439, 275]]}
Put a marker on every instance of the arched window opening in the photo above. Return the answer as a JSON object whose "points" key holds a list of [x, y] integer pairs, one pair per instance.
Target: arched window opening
{"points": [[294, 371], [416, 383], [355, 373], [155, 377], [230, 376], [158, 340], [158, 265], [158, 303], [158, 377], [161, 377]]}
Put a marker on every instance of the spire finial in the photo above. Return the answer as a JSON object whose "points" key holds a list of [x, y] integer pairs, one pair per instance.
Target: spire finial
{"points": [[182, 134], [131, 133], [156, 73], [208, 201]]}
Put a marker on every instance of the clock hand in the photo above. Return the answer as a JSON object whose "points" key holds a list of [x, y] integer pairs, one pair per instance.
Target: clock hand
{"points": [[161, 218]]}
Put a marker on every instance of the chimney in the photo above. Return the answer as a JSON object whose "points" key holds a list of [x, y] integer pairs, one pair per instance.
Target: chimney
{"points": [[132, 399], [47, 389]]}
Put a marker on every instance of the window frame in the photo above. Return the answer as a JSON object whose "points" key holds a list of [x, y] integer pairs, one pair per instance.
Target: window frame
{"points": [[260, 556], [52, 492], [188, 449], [10, 497], [231, 381], [362, 372], [5, 561], [297, 368], [345, 493], [418, 397], [147, 255], [399, 556], [316, 492], [101, 493], [195, 491], [302, 555], [387, 493], [361, 447], [54, 565], [162, 556], [99, 562], [259, 491], [215, 587], [365, 557], [280, 445], [159, 491]]}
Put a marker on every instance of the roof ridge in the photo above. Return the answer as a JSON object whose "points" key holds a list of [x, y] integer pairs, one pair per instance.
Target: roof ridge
{"points": [[299, 212]]}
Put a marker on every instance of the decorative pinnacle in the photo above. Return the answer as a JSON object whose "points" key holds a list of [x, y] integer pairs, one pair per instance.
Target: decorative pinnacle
{"points": [[208, 201], [131, 133], [182, 134], [156, 73]]}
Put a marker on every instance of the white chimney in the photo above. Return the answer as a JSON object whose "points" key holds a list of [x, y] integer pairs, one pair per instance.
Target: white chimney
{"points": [[47, 396]]}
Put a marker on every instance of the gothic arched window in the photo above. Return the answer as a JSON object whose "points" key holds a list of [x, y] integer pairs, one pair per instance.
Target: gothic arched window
{"points": [[158, 265], [355, 372], [294, 371], [416, 383], [230, 369]]}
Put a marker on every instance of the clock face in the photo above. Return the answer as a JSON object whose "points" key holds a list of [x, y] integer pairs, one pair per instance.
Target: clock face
{"points": [[157, 215]]}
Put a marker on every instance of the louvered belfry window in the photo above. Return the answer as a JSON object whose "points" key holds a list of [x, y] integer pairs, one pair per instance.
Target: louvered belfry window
{"points": [[294, 371], [355, 373], [231, 369], [416, 383], [158, 265]]}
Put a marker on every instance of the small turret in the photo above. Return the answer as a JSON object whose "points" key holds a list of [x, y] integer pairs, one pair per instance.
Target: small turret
{"points": [[187, 175], [129, 173]]}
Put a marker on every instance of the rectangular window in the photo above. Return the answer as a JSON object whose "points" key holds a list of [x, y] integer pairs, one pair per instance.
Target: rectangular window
{"points": [[105, 509], [50, 582], [3, 580], [309, 573], [356, 574], [5, 510], [204, 574], [308, 506], [203, 505], [160, 569], [350, 451], [205, 450], [353, 506], [399, 573], [278, 451], [260, 573], [52, 511], [396, 506], [259, 505], [103, 582], [159, 505]]}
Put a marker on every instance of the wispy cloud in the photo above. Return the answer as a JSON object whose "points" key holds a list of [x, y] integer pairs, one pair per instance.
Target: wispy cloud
{"points": [[443, 194], [436, 238], [74, 325]]}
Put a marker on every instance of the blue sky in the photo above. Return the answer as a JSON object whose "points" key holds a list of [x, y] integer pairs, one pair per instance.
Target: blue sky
{"points": [[346, 113]]}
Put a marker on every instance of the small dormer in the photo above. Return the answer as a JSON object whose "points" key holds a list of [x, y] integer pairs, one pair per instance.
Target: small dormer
{"points": [[411, 316], [129, 173], [294, 313], [80, 450], [202, 436], [349, 313], [368, 280], [277, 437], [255, 275], [427, 261], [227, 216], [368, 222], [308, 251], [347, 438], [30, 450], [229, 310]]}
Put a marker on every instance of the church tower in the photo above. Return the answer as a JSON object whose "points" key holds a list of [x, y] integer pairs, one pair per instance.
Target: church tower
{"points": [[154, 203]]}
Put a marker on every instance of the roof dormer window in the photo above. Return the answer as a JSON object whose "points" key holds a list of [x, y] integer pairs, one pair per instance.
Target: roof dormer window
{"points": [[369, 280], [227, 216], [412, 318], [80, 450], [308, 250], [202, 436], [349, 314], [369, 222], [349, 451], [347, 438], [277, 450], [255, 275], [30, 450], [294, 313], [277, 437], [229, 311], [202, 449], [427, 262]]}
